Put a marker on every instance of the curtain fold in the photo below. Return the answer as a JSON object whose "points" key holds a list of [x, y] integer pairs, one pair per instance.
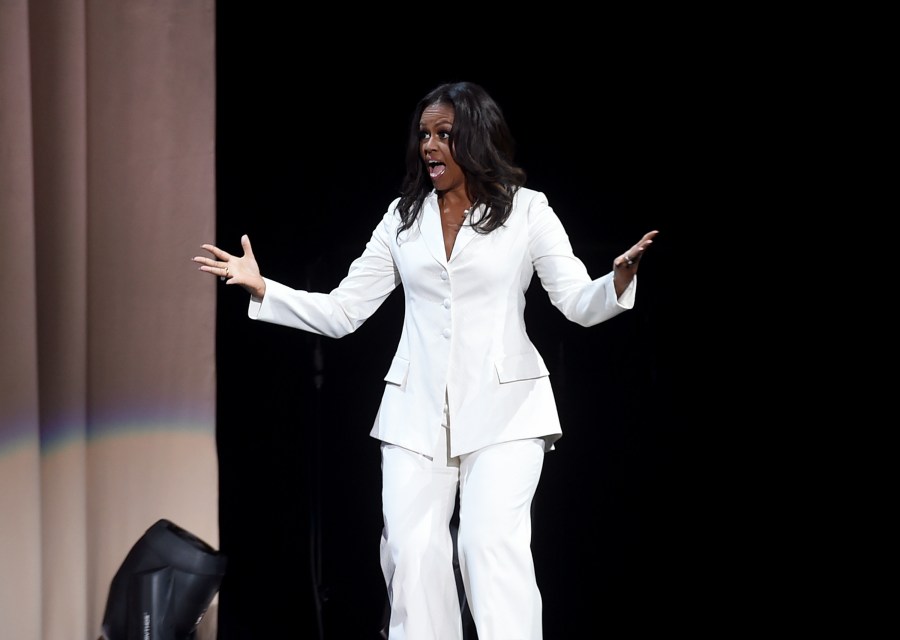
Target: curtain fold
{"points": [[107, 363], [57, 45], [20, 486]]}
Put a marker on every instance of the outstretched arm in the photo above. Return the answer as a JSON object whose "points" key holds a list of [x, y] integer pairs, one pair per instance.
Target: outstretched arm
{"points": [[626, 265], [243, 270]]}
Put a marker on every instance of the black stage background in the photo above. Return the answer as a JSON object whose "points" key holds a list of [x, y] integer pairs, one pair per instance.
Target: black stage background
{"points": [[310, 152]]}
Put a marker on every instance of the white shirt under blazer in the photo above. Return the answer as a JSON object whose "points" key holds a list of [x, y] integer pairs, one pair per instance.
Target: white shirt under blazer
{"points": [[464, 322]]}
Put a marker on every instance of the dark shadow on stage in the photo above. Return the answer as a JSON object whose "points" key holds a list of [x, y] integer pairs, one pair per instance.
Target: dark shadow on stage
{"points": [[309, 155]]}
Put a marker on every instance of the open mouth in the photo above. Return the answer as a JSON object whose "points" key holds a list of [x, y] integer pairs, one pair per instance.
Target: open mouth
{"points": [[436, 169]]}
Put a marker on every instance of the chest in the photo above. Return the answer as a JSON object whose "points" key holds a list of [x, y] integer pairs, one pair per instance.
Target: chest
{"points": [[482, 267]]}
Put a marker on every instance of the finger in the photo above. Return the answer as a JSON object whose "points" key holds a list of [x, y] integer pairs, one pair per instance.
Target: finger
{"points": [[625, 260], [209, 262], [206, 262], [245, 243], [216, 251]]}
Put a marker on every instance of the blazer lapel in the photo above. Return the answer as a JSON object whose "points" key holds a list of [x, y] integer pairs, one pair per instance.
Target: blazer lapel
{"points": [[431, 229]]}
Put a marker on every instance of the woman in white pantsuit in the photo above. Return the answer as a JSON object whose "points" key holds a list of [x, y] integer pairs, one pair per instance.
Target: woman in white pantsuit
{"points": [[467, 403]]}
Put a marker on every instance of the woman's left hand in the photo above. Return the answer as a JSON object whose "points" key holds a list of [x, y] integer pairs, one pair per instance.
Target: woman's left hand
{"points": [[626, 265]]}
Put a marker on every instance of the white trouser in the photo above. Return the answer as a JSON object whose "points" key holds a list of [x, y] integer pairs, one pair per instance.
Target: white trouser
{"points": [[496, 488]]}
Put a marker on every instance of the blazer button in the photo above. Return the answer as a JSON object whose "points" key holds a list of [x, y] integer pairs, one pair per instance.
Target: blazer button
{"points": [[446, 303], [444, 275], [446, 333]]}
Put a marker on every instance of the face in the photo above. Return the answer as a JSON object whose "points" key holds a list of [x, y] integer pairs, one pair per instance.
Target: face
{"points": [[436, 147]]}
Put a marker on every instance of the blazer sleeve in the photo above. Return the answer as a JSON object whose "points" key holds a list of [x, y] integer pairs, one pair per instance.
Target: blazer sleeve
{"points": [[563, 275], [369, 281]]}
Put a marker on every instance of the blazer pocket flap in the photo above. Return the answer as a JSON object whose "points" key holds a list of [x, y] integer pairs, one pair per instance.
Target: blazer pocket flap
{"points": [[524, 366], [397, 373]]}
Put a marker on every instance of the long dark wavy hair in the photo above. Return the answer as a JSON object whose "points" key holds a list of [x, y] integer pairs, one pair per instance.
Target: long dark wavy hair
{"points": [[482, 145]]}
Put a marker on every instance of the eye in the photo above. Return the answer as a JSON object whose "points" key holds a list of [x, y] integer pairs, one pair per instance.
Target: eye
{"points": [[444, 135], [423, 135]]}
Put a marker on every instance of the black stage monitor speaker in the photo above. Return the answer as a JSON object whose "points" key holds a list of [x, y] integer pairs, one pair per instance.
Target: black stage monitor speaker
{"points": [[164, 587]]}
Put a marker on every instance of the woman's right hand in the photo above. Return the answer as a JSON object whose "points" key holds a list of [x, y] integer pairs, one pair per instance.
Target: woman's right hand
{"points": [[234, 270]]}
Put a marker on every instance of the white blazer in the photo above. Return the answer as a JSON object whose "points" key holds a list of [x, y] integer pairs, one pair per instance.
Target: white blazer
{"points": [[464, 322]]}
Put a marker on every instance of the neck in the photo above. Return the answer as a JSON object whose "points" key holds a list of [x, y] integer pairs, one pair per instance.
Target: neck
{"points": [[454, 210], [451, 203]]}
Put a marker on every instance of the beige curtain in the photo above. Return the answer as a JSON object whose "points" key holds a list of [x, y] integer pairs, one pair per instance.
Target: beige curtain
{"points": [[107, 378]]}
